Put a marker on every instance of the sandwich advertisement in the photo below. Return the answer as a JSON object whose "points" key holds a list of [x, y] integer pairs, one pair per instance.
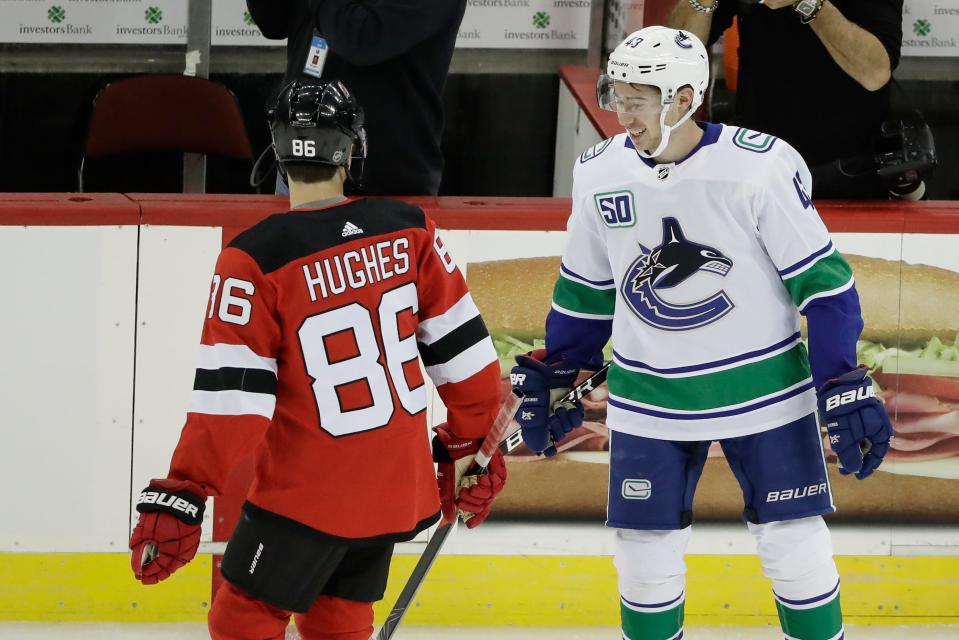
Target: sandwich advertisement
{"points": [[909, 291]]}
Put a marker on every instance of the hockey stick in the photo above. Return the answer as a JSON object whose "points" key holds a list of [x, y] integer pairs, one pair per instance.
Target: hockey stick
{"points": [[505, 435], [496, 433]]}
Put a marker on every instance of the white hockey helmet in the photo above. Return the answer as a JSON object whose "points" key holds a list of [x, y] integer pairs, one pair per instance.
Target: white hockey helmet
{"points": [[669, 59]]}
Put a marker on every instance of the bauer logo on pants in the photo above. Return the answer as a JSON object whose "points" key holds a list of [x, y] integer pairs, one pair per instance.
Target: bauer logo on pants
{"points": [[637, 489], [256, 558]]}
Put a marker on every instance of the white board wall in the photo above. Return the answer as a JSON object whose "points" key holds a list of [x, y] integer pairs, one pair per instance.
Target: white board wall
{"points": [[66, 335], [176, 268]]}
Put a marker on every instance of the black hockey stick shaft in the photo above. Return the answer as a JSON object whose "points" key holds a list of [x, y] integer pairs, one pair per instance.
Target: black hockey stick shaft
{"points": [[511, 437], [497, 432], [413, 583]]}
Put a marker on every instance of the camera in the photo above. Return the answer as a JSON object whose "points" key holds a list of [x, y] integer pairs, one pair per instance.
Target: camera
{"points": [[905, 153]]}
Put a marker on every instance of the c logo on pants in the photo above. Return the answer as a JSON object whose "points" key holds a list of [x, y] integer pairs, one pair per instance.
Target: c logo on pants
{"points": [[634, 489]]}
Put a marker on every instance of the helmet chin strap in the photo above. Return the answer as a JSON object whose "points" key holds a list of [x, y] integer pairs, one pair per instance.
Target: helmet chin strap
{"points": [[664, 142]]}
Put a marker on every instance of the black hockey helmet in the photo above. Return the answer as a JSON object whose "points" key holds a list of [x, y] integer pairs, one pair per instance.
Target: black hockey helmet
{"points": [[315, 121]]}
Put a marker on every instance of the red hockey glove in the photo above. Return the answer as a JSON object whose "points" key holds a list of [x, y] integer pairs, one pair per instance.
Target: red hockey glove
{"points": [[478, 492], [472, 495], [168, 532]]}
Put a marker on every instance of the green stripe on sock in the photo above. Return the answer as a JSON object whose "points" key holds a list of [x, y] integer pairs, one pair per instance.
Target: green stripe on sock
{"points": [[662, 625], [582, 299], [829, 273], [818, 623]]}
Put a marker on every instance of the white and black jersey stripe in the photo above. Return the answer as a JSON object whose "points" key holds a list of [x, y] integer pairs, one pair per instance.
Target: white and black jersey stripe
{"points": [[233, 380], [455, 345]]}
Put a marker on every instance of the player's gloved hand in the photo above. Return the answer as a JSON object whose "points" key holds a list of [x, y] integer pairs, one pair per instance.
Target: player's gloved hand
{"points": [[859, 428], [168, 531], [542, 385], [471, 496]]}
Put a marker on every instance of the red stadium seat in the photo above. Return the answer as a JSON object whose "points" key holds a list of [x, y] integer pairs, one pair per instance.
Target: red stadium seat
{"points": [[165, 113]]}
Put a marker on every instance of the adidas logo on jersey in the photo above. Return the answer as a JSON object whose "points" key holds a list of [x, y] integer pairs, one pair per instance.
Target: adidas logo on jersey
{"points": [[350, 229]]}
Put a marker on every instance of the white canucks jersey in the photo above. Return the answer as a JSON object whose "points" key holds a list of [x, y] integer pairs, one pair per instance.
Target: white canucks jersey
{"points": [[703, 266]]}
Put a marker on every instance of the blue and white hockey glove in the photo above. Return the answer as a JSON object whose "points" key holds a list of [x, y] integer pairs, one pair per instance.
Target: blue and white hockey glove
{"points": [[859, 428], [542, 385]]}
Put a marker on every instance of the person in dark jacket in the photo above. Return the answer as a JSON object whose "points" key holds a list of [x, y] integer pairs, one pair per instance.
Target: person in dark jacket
{"points": [[394, 55], [814, 72]]}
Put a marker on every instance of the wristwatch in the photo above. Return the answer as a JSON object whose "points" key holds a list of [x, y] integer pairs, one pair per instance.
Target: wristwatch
{"points": [[808, 10]]}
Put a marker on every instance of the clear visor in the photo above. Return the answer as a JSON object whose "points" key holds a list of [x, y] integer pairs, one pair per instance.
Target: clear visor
{"points": [[618, 96]]}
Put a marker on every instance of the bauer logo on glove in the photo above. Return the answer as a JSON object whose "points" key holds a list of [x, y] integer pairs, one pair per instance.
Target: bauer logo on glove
{"points": [[850, 396], [544, 419], [167, 533], [171, 501], [858, 426], [517, 379]]}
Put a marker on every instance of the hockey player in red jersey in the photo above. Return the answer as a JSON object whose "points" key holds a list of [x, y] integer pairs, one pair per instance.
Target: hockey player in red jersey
{"points": [[317, 323]]}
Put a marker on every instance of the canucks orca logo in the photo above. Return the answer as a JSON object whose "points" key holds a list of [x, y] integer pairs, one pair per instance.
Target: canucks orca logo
{"points": [[666, 266]]}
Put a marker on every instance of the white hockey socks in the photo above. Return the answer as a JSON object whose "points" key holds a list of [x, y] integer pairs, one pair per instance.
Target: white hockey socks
{"points": [[652, 583], [797, 556]]}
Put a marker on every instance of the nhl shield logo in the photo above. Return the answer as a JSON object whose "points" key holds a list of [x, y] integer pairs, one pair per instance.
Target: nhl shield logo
{"points": [[671, 263], [662, 172]]}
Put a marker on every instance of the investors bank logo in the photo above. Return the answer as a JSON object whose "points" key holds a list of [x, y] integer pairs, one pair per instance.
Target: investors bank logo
{"points": [[56, 14], [924, 38], [248, 29], [153, 15], [55, 24], [541, 20], [153, 25]]}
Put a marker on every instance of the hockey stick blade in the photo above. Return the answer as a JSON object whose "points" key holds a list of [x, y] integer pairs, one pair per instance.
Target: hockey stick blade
{"points": [[508, 430]]}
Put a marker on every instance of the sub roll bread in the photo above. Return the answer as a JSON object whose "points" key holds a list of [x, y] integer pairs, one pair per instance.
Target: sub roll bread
{"points": [[910, 344]]}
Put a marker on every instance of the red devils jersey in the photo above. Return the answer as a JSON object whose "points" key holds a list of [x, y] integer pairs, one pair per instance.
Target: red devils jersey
{"points": [[317, 323]]}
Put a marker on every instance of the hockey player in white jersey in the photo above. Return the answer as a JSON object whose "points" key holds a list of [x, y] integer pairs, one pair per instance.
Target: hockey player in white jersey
{"points": [[696, 247]]}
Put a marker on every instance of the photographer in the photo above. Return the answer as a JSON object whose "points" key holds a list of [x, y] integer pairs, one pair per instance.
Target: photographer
{"points": [[817, 74]]}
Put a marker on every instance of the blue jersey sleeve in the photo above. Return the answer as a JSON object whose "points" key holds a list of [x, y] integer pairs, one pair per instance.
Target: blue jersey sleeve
{"points": [[834, 324]]}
